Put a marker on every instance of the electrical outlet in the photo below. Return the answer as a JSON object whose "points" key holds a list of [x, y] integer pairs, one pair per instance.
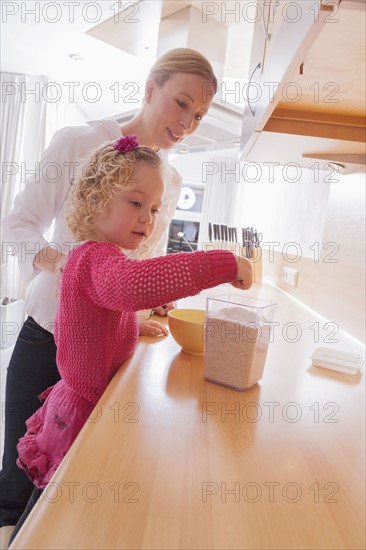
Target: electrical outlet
{"points": [[290, 276]]}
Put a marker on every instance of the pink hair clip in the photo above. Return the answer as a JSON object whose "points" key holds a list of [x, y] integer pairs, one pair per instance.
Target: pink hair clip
{"points": [[126, 143]]}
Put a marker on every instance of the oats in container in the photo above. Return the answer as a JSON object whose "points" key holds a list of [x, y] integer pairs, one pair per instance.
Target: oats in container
{"points": [[237, 334]]}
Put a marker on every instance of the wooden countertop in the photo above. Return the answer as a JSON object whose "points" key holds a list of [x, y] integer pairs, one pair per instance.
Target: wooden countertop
{"points": [[170, 461]]}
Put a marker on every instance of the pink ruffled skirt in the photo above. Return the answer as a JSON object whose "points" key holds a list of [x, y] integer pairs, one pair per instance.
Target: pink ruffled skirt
{"points": [[51, 431]]}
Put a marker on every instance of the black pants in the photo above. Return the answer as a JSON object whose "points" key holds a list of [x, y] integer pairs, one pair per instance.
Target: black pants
{"points": [[30, 505], [32, 369]]}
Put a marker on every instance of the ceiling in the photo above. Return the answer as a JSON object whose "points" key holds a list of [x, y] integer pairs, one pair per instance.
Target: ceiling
{"points": [[43, 47], [51, 39]]}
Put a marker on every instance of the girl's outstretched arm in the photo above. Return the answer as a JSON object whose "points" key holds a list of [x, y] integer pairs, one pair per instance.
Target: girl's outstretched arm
{"points": [[115, 282]]}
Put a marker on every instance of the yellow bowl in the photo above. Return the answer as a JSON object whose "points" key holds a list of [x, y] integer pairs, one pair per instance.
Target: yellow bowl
{"points": [[186, 327]]}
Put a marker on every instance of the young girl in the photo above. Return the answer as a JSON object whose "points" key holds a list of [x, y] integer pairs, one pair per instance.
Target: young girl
{"points": [[115, 205]]}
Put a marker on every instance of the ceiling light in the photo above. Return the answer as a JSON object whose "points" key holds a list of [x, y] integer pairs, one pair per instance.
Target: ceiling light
{"points": [[76, 57], [183, 151], [335, 166]]}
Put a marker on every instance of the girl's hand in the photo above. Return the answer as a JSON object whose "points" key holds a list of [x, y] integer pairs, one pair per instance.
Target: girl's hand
{"points": [[152, 328], [163, 310], [243, 279]]}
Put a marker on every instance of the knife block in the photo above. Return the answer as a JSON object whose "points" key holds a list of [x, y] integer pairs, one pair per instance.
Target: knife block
{"points": [[256, 262]]}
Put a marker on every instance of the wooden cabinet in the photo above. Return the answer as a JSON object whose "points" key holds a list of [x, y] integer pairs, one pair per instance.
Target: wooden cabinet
{"points": [[310, 86], [263, 17]]}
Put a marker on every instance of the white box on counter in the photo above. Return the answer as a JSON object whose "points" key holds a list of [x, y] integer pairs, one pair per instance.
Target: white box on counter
{"points": [[337, 360]]}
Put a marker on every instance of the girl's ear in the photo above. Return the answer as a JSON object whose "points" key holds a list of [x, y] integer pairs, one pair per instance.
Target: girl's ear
{"points": [[149, 89]]}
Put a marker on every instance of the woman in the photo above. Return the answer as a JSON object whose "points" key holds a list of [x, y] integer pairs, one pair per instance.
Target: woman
{"points": [[178, 93]]}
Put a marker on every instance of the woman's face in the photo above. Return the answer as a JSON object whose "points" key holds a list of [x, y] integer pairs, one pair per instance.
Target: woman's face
{"points": [[175, 110]]}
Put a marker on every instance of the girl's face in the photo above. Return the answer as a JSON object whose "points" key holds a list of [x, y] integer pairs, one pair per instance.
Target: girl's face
{"points": [[175, 110], [130, 216]]}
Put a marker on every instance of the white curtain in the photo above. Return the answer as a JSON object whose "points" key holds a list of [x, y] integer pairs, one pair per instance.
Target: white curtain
{"points": [[23, 117], [223, 195], [60, 112]]}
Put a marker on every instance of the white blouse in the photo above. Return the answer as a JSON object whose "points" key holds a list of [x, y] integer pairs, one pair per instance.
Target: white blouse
{"points": [[44, 200]]}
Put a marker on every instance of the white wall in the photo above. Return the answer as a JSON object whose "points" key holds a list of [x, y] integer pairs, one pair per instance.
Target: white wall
{"points": [[286, 204], [327, 223], [196, 166], [318, 221]]}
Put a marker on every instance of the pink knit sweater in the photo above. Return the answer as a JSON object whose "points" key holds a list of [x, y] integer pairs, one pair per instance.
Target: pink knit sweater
{"points": [[96, 331]]}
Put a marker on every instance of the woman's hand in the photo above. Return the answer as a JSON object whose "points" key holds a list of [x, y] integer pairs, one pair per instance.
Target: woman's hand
{"points": [[59, 267], [51, 260], [243, 279], [152, 328], [163, 310]]}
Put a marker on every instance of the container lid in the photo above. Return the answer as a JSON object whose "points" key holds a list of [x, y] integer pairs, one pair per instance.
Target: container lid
{"points": [[338, 360]]}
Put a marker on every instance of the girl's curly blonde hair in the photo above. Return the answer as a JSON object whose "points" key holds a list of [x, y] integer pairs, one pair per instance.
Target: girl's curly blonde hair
{"points": [[106, 172]]}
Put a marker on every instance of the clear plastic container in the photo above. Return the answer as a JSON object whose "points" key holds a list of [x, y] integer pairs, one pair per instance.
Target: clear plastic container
{"points": [[338, 360], [236, 338]]}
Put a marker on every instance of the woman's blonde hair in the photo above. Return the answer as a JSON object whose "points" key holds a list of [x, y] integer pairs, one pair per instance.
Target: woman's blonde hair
{"points": [[183, 60], [106, 172]]}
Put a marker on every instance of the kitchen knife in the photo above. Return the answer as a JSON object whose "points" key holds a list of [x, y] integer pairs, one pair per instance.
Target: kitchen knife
{"points": [[209, 232], [216, 231], [235, 235], [217, 238], [222, 228], [250, 240], [250, 249]]}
